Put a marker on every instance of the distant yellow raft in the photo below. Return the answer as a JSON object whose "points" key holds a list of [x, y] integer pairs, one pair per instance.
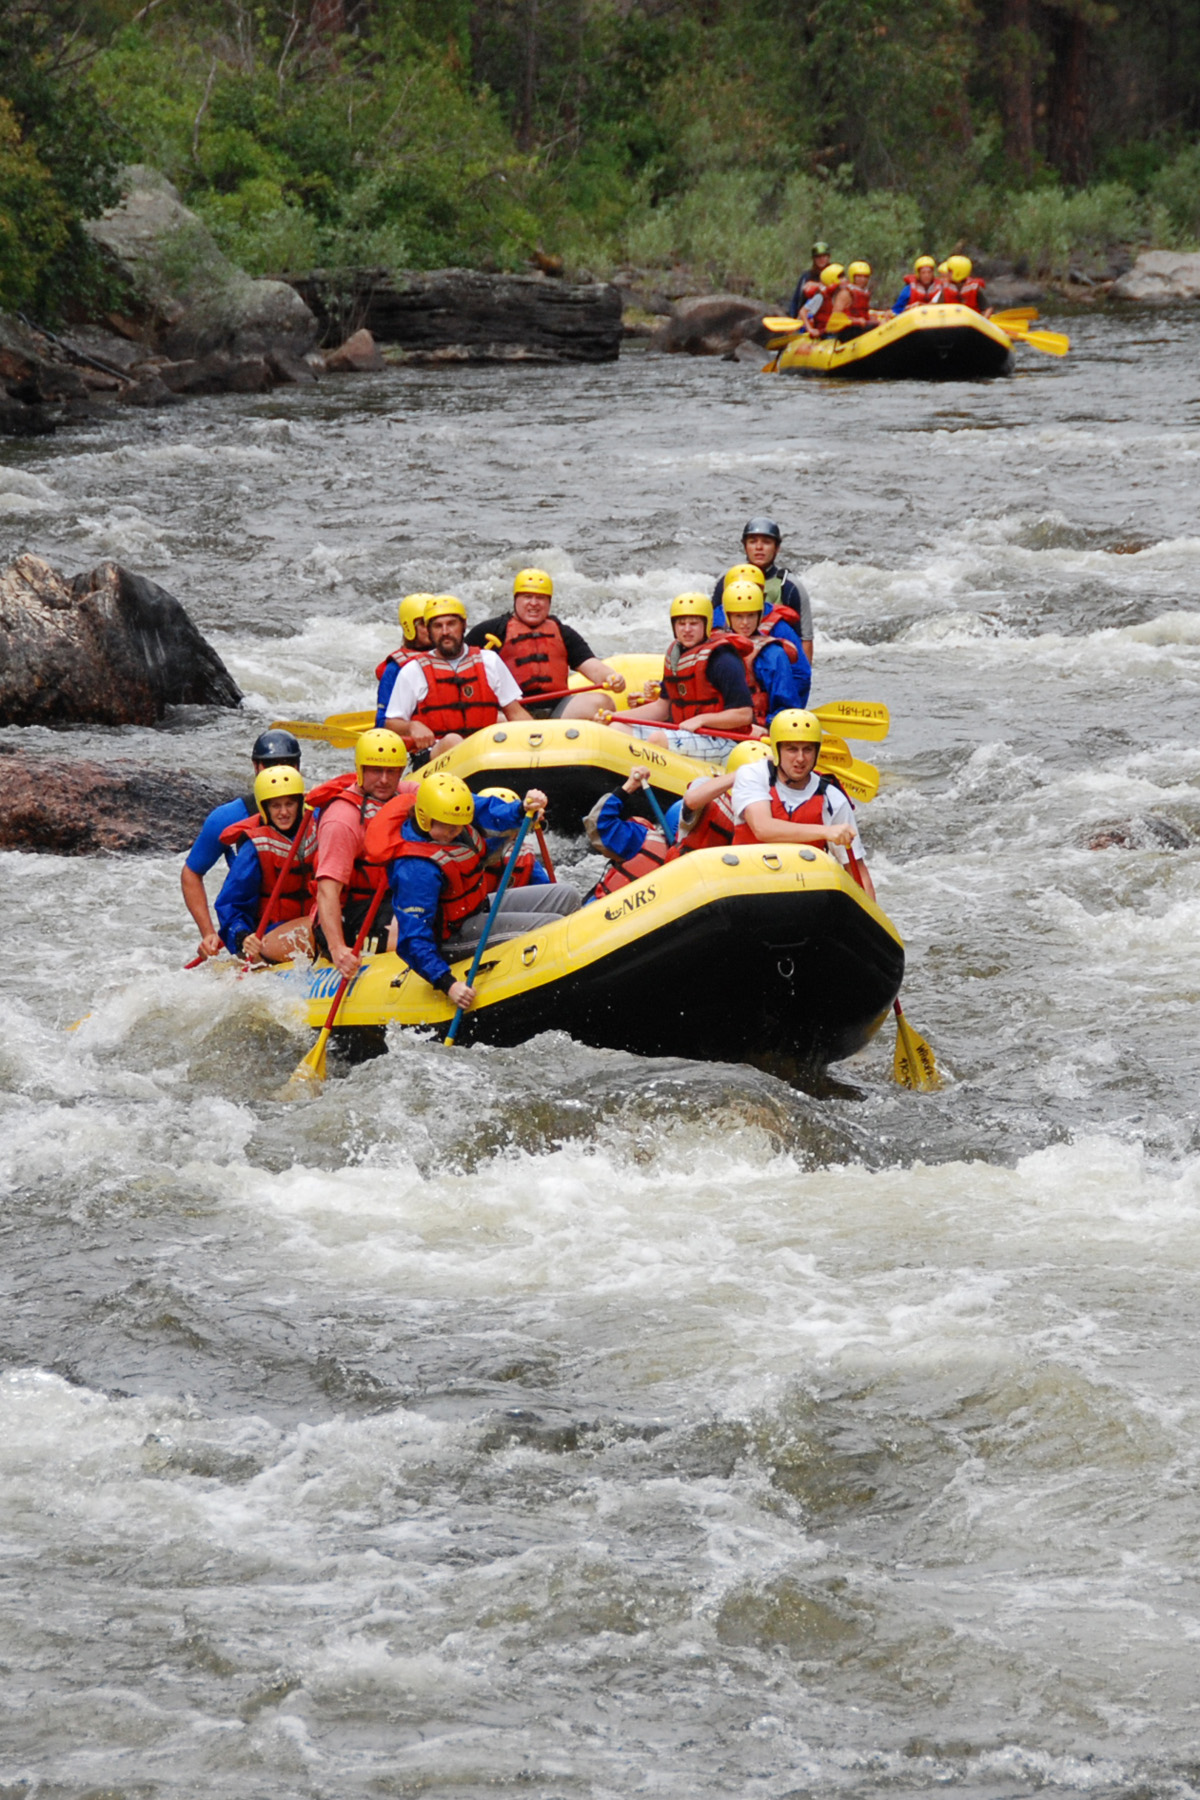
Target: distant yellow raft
{"points": [[767, 954], [926, 343]]}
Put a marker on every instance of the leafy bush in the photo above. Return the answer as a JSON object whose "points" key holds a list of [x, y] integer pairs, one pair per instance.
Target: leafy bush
{"points": [[35, 221], [1175, 197], [1049, 229]]}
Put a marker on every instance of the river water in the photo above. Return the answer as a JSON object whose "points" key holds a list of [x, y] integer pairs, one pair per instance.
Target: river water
{"points": [[556, 1422]]}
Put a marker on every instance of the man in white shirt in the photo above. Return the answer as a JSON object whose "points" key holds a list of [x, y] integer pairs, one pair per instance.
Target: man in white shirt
{"points": [[782, 800], [448, 691]]}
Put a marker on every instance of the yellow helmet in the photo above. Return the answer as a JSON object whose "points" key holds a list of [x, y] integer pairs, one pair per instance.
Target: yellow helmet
{"points": [[859, 268], [795, 727], [533, 581], [745, 572], [443, 798], [832, 274], [742, 597], [943, 268], [923, 262], [747, 753], [412, 608], [498, 794], [379, 749], [958, 267], [441, 606], [693, 606], [275, 784]]}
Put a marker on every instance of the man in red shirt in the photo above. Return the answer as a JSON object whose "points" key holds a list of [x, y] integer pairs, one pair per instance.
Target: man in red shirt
{"points": [[345, 882]]}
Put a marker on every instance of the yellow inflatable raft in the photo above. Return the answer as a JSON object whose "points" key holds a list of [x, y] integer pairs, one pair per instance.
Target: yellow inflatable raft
{"points": [[768, 954], [926, 343]]}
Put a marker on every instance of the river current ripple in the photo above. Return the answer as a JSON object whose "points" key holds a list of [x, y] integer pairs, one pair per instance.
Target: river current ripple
{"points": [[553, 1421]]}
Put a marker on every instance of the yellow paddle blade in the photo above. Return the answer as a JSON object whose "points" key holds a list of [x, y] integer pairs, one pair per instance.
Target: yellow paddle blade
{"points": [[860, 780], [865, 719], [913, 1065], [356, 722], [1054, 343], [836, 321], [311, 1069], [835, 753], [781, 324], [326, 733], [1014, 315]]}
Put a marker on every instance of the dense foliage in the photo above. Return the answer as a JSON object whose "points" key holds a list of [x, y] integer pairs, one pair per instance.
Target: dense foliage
{"points": [[721, 133]]}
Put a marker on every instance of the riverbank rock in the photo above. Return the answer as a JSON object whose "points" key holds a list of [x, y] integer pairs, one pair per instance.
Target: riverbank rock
{"points": [[465, 316], [712, 325], [37, 389], [106, 648], [359, 355], [71, 808], [1161, 278], [195, 300]]}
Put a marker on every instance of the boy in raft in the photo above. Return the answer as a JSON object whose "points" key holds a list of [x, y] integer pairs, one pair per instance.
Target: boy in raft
{"points": [[438, 890], [443, 694], [706, 810], [778, 673], [921, 288], [264, 903], [704, 685], [540, 652], [788, 608], [782, 799], [961, 288], [530, 870], [272, 749], [346, 882], [633, 846], [414, 639]]}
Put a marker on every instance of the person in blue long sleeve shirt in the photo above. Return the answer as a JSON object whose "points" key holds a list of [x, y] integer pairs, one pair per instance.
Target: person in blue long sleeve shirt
{"points": [[633, 846], [437, 882]]}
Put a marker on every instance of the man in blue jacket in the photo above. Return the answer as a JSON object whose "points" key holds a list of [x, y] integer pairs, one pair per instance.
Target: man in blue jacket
{"points": [[272, 749]]}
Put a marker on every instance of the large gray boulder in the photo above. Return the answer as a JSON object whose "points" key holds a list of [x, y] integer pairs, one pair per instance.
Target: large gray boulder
{"points": [[199, 301], [1160, 278], [465, 316], [106, 648], [712, 325]]}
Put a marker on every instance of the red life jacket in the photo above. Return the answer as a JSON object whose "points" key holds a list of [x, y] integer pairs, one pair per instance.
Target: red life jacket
{"points": [[459, 695], [822, 315], [782, 615], [811, 813], [685, 684], [922, 296], [522, 874], [381, 839], [536, 656], [713, 830], [970, 293], [399, 657], [758, 693], [858, 308], [464, 889], [344, 791], [274, 849], [655, 851]]}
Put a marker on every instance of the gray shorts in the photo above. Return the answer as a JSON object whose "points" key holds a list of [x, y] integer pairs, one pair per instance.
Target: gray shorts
{"points": [[688, 743]]}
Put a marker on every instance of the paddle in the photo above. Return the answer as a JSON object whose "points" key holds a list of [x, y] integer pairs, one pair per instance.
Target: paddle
{"points": [[1052, 343], [660, 816], [545, 850], [313, 1066], [493, 914], [344, 737], [913, 1065], [1014, 315], [868, 720]]}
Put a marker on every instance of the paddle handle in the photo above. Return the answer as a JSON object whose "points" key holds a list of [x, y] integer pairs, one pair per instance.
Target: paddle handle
{"points": [[657, 810], [547, 864], [493, 913], [567, 693], [359, 941]]}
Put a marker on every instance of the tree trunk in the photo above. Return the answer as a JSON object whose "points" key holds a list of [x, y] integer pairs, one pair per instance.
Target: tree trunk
{"points": [[529, 77], [328, 19], [1016, 66], [1070, 125]]}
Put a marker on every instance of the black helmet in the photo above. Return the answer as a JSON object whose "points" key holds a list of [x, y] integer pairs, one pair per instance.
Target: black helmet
{"points": [[820, 248], [275, 746], [762, 528]]}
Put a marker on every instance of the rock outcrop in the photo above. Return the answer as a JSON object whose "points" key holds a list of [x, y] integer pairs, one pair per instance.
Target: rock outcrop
{"points": [[1161, 278], [712, 325], [36, 392], [85, 808], [106, 648], [197, 301], [462, 315]]}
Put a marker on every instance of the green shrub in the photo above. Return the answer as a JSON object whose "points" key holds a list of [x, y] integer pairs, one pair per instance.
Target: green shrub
{"points": [[1049, 229], [1175, 197], [35, 221]]}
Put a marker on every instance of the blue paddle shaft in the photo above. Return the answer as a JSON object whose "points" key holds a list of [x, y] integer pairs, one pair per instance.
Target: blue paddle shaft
{"points": [[657, 810], [509, 866]]}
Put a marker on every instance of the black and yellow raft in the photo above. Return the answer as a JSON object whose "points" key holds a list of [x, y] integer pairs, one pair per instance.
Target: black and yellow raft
{"points": [[926, 343], [766, 954]]}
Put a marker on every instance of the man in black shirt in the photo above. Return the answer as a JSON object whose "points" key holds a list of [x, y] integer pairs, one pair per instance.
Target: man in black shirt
{"points": [[540, 651], [810, 281]]}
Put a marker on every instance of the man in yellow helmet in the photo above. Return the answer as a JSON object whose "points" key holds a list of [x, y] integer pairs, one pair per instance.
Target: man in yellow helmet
{"points": [[961, 287], [345, 881], [540, 651], [445, 693], [921, 288], [782, 799], [415, 638], [439, 887], [704, 686]]}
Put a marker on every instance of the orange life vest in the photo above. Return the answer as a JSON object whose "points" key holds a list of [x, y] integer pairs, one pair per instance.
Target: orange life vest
{"points": [[536, 656], [464, 889], [713, 830], [655, 851], [758, 693], [274, 851], [811, 813], [858, 307], [685, 684], [458, 695], [822, 315], [782, 615], [522, 873], [381, 839], [964, 293], [399, 657], [922, 296], [344, 791]]}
